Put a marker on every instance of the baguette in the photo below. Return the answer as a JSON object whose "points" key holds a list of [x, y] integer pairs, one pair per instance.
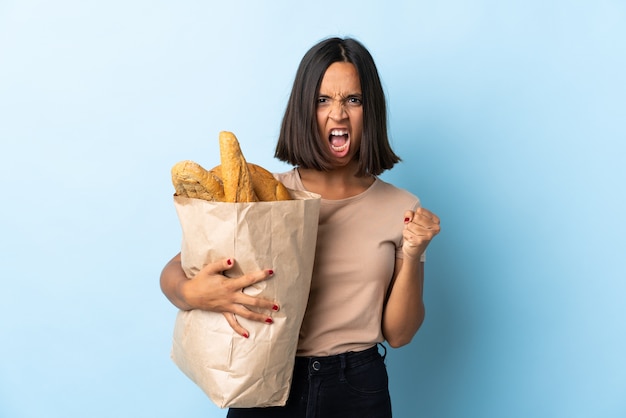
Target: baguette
{"points": [[235, 172]]}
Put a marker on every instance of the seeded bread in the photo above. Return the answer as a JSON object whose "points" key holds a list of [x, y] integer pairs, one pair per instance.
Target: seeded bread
{"points": [[190, 179]]}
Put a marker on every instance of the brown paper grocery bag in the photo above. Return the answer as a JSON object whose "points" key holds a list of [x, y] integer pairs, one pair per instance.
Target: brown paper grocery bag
{"points": [[232, 370]]}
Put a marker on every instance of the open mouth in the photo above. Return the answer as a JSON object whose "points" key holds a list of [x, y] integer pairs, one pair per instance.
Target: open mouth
{"points": [[339, 140]]}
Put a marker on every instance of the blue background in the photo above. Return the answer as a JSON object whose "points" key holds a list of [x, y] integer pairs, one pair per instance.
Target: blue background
{"points": [[509, 117]]}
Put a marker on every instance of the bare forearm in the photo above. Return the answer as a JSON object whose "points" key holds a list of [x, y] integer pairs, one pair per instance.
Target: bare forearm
{"points": [[172, 280], [404, 312]]}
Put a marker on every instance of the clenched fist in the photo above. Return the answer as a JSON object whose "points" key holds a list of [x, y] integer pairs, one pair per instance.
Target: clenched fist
{"points": [[420, 227]]}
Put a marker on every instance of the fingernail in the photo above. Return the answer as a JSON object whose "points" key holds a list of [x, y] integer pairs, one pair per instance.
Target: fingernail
{"points": [[406, 220], [275, 307], [270, 272], [245, 335], [229, 262], [269, 320]]}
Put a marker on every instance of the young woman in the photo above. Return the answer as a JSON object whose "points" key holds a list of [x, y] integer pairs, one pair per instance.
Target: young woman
{"points": [[369, 268]]}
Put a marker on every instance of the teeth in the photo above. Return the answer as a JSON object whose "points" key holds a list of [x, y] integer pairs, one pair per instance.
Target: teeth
{"points": [[337, 132], [339, 149]]}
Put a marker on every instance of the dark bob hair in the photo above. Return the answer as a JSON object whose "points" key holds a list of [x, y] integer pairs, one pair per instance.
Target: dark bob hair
{"points": [[299, 142]]}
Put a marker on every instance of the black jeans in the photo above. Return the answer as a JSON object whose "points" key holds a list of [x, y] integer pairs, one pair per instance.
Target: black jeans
{"points": [[353, 384]]}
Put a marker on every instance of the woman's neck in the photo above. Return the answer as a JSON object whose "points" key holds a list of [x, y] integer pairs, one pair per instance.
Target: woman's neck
{"points": [[335, 184]]}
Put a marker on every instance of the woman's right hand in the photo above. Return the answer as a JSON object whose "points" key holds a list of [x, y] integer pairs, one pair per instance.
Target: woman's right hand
{"points": [[210, 290]]}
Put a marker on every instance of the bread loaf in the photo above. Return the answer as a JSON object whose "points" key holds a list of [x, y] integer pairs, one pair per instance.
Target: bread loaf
{"points": [[234, 180], [192, 180], [264, 184], [235, 173]]}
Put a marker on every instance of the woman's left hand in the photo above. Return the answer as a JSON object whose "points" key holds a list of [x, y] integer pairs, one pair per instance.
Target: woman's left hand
{"points": [[420, 227]]}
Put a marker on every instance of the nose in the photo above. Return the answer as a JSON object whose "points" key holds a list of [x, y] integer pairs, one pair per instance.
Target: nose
{"points": [[337, 111]]}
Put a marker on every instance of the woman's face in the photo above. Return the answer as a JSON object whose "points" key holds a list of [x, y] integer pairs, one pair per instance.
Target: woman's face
{"points": [[340, 111]]}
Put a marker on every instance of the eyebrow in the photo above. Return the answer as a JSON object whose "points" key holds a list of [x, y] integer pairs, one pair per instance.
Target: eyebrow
{"points": [[343, 96]]}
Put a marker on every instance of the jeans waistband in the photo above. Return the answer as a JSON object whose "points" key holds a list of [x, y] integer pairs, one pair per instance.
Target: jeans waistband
{"points": [[338, 362]]}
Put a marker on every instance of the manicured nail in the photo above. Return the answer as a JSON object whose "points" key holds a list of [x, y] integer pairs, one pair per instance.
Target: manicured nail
{"points": [[245, 335], [270, 272], [275, 307], [406, 220], [269, 321], [229, 262]]}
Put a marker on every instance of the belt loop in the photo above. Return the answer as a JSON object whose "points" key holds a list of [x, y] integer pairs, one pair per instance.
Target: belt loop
{"points": [[342, 363]]}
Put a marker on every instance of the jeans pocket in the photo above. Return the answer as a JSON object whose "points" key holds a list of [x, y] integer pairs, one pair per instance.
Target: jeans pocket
{"points": [[369, 378]]}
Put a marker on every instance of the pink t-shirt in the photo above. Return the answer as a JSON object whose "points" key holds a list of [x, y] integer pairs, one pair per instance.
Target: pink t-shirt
{"points": [[358, 241]]}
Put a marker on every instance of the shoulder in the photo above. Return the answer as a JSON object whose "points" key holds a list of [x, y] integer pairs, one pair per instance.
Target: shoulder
{"points": [[387, 192]]}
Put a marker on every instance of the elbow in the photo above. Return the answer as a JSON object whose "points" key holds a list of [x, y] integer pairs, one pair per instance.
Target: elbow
{"points": [[404, 337], [398, 342]]}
